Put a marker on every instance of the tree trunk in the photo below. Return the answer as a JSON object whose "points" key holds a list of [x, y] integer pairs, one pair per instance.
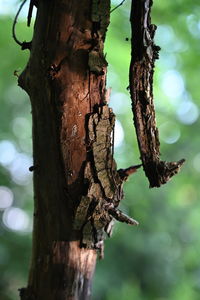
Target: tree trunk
{"points": [[65, 79], [77, 188]]}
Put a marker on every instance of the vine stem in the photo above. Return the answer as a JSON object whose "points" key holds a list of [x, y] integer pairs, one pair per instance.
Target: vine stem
{"points": [[15, 22], [121, 3]]}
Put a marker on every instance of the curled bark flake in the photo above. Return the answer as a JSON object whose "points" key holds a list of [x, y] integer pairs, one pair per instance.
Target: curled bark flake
{"points": [[144, 53], [103, 123], [121, 217], [96, 210]]}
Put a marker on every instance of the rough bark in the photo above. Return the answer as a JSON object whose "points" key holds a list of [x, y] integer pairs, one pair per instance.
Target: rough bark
{"points": [[144, 54], [77, 188], [63, 92]]}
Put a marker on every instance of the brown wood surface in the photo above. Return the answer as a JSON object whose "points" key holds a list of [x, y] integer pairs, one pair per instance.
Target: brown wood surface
{"points": [[63, 92], [144, 54]]}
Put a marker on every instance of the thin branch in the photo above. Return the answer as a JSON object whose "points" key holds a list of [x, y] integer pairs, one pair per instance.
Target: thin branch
{"points": [[24, 45], [121, 217], [121, 3], [125, 173], [15, 22], [30, 11]]}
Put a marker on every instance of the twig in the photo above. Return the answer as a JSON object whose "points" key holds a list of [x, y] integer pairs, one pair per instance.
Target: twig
{"points": [[24, 45], [121, 217], [15, 22], [121, 3], [113, 145], [30, 11], [125, 173]]}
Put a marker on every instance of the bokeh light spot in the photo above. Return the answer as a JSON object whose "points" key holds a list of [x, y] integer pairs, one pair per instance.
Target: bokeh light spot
{"points": [[7, 152], [167, 39], [20, 169], [119, 134], [193, 25], [169, 132], [188, 112], [119, 102], [173, 84], [164, 35], [16, 219], [6, 197]]}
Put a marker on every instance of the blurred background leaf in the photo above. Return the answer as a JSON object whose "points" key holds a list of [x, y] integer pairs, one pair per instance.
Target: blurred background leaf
{"points": [[158, 260]]}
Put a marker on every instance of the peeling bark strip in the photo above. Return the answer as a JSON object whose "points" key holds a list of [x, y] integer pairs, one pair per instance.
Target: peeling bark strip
{"points": [[144, 54], [94, 215]]}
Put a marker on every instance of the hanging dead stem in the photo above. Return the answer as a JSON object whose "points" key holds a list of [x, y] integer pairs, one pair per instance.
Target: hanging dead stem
{"points": [[144, 54]]}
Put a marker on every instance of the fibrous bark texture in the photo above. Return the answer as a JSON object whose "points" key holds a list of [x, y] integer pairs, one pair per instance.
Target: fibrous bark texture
{"points": [[144, 54], [65, 79]]}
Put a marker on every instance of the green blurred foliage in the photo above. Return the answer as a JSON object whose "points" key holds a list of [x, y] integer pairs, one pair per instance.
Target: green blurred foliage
{"points": [[158, 260], [15, 153]]}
